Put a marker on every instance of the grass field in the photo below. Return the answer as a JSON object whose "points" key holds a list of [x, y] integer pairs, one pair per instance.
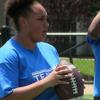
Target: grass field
{"points": [[88, 97], [85, 65]]}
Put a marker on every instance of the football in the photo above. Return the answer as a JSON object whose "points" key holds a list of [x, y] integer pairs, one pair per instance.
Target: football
{"points": [[74, 89]]}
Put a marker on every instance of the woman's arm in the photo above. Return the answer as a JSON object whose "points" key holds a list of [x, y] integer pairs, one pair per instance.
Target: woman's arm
{"points": [[27, 92], [31, 91]]}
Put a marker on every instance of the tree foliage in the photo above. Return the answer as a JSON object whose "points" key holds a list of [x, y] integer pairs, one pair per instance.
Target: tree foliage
{"points": [[73, 7]]}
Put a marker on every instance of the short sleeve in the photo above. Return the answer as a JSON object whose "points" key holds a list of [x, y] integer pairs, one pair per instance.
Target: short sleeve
{"points": [[92, 41], [8, 72], [55, 53]]}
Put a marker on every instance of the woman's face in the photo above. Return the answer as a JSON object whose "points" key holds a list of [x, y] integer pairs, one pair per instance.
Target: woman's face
{"points": [[37, 25]]}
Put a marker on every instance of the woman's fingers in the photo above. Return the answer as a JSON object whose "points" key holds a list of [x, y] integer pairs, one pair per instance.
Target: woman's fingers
{"points": [[63, 82], [64, 71], [60, 77], [61, 67]]}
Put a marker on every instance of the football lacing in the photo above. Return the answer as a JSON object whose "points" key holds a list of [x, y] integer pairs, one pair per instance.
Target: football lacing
{"points": [[74, 85]]}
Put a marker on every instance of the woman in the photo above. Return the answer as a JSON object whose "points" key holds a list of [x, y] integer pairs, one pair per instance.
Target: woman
{"points": [[28, 65]]}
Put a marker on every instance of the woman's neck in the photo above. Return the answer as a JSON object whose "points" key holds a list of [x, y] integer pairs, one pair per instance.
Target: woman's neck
{"points": [[24, 41]]}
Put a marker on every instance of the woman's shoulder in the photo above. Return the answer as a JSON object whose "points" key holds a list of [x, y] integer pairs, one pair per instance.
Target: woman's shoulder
{"points": [[46, 47], [45, 44], [7, 51]]}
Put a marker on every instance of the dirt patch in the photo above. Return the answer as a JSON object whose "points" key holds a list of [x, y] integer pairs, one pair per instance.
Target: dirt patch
{"points": [[88, 89]]}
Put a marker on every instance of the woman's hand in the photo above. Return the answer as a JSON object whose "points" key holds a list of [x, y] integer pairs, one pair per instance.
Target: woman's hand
{"points": [[57, 75]]}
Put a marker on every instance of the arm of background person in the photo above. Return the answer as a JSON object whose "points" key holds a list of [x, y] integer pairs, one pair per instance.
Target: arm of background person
{"points": [[94, 28]]}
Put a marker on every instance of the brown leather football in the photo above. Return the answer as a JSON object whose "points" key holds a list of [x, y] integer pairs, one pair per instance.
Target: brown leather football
{"points": [[74, 89]]}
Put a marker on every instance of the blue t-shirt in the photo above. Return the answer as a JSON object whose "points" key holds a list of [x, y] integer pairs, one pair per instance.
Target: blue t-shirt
{"points": [[20, 67], [95, 44]]}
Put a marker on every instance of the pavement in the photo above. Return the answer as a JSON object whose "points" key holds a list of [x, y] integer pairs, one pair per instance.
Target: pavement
{"points": [[88, 89]]}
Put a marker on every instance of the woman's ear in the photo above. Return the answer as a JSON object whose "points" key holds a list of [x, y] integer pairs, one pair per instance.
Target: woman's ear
{"points": [[22, 22]]}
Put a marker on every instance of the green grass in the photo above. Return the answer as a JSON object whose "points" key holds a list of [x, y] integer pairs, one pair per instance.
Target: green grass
{"points": [[85, 65], [88, 97]]}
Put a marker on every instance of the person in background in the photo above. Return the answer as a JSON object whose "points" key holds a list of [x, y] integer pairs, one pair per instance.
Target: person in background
{"points": [[94, 40], [27, 64]]}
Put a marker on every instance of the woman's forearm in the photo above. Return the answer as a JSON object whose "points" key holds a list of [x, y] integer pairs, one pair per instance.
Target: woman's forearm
{"points": [[33, 90], [28, 92]]}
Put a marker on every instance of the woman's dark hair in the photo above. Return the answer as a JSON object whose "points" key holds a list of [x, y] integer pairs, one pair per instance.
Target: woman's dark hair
{"points": [[16, 8]]}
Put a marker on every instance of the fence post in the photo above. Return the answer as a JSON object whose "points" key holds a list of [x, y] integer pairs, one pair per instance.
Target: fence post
{"points": [[70, 52]]}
